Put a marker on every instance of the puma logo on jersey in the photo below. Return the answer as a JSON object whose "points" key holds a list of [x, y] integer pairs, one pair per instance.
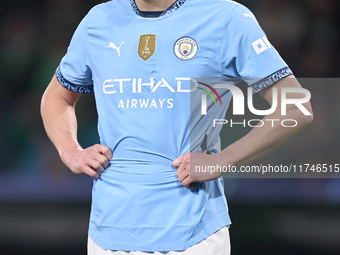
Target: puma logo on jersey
{"points": [[112, 45]]}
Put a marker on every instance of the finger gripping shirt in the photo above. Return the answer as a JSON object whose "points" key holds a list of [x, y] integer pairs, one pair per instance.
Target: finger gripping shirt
{"points": [[139, 69]]}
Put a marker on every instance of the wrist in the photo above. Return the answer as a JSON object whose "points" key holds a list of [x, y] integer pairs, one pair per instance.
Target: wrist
{"points": [[66, 152], [222, 159]]}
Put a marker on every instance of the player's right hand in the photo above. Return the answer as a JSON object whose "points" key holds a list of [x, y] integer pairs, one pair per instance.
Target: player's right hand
{"points": [[91, 161]]}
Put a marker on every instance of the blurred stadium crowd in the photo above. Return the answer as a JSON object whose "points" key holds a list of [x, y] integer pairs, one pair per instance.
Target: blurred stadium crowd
{"points": [[34, 36]]}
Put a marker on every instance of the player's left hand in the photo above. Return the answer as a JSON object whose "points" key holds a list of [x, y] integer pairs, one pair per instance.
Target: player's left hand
{"points": [[191, 168]]}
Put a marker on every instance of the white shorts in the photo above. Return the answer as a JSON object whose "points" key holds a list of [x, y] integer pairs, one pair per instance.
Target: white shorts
{"points": [[216, 244]]}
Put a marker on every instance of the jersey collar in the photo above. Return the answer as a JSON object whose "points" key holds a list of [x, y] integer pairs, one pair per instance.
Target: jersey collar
{"points": [[171, 9]]}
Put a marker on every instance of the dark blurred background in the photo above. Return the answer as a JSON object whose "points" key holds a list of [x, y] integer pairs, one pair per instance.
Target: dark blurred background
{"points": [[44, 208]]}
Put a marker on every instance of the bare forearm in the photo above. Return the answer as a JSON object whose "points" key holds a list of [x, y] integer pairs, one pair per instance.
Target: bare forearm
{"points": [[59, 119], [263, 140]]}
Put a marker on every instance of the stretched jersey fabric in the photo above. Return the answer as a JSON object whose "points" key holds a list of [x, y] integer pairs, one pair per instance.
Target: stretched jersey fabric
{"points": [[139, 69]]}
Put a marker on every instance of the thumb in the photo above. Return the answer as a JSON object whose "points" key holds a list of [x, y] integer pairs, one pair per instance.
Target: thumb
{"points": [[178, 161]]}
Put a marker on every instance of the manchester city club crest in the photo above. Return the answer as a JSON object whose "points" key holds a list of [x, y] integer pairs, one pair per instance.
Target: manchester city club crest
{"points": [[185, 48]]}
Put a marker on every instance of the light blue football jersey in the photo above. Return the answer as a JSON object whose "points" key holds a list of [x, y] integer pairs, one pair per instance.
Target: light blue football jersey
{"points": [[139, 69]]}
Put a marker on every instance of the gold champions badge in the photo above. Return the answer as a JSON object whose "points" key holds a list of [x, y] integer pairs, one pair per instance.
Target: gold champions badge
{"points": [[147, 46]]}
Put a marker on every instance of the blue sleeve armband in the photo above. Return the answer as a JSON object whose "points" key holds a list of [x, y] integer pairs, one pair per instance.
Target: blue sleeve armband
{"points": [[70, 86]]}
